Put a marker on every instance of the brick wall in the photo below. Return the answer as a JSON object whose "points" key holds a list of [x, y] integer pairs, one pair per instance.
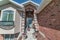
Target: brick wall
{"points": [[1, 37], [49, 20]]}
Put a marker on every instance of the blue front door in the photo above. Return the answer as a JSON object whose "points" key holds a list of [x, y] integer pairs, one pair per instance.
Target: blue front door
{"points": [[29, 22], [29, 19]]}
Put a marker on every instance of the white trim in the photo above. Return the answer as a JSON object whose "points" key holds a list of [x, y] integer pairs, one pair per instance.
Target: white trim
{"points": [[42, 34], [10, 8], [31, 3], [20, 34], [35, 3], [0, 15], [17, 3], [25, 2]]}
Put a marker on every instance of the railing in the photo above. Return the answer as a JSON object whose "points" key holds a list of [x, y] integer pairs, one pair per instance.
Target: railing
{"points": [[6, 23]]}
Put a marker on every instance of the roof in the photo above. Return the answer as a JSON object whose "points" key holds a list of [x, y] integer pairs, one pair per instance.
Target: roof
{"points": [[36, 2], [40, 4]]}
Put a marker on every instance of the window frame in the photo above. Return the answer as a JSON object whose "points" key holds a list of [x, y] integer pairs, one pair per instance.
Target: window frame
{"points": [[10, 8], [10, 35]]}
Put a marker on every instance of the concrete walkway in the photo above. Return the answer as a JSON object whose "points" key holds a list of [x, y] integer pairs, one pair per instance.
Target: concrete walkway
{"points": [[30, 35]]}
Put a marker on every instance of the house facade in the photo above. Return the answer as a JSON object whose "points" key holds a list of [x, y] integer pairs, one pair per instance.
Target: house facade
{"points": [[19, 19]]}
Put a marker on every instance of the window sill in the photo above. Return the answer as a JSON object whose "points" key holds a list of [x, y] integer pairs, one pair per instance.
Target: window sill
{"points": [[6, 23]]}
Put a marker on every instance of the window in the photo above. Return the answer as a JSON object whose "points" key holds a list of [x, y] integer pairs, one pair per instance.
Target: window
{"points": [[8, 15], [9, 37]]}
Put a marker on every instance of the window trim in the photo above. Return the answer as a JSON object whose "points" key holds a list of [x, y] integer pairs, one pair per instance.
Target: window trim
{"points": [[10, 8], [0, 15]]}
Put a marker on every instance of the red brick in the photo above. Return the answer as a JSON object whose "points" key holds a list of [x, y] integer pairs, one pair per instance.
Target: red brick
{"points": [[1, 37], [49, 20]]}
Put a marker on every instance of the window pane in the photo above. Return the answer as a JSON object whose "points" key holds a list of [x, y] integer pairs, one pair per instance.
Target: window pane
{"points": [[12, 37], [7, 18], [7, 15], [6, 37], [4, 17], [10, 17], [9, 37]]}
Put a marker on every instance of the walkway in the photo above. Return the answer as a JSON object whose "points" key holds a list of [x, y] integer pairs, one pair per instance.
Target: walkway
{"points": [[30, 35]]}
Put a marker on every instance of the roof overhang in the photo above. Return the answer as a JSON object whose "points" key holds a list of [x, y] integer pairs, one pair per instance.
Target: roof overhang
{"points": [[16, 3], [43, 5]]}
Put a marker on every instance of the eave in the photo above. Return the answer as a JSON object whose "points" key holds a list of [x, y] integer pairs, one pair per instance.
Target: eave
{"points": [[43, 5]]}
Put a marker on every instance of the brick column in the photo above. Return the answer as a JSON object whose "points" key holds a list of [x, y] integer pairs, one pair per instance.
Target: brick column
{"points": [[35, 22], [40, 35], [23, 22]]}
